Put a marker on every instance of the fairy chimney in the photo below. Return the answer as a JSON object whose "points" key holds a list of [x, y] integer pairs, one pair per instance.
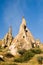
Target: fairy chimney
{"points": [[24, 38], [7, 38]]}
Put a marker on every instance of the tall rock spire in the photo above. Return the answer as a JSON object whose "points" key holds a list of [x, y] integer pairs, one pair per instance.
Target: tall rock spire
{"points": [[23, 24], [23, 21], [24, 37], [10, 30], [8, 38]]}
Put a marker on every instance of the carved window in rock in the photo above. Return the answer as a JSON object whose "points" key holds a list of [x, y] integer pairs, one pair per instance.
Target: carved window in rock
{"points": [[26, 30], [24, 26], [23, 36], [5, 46], [33, 45]]}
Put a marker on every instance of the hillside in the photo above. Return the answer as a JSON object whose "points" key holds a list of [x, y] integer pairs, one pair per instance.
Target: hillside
{"points": [[9, 60], [23, 49], [33, 61]]}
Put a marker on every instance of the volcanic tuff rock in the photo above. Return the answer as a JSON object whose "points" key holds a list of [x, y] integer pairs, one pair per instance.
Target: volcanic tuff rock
{"points": [[24, 39], [7, 38]]}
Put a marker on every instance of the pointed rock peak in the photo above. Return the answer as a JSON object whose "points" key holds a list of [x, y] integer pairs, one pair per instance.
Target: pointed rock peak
{"points": [[10, 29], [23, 25], [23, 21]]}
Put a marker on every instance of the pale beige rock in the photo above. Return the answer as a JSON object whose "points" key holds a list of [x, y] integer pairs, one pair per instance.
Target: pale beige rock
{"points": [[13, 50], [24, 39], [38, 43], [7, 38]]}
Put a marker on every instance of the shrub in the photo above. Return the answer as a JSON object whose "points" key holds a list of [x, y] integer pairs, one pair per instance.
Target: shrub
{"points": [[40, 59], [26, 56], [36, 51], [21, 51], [19, 59]]}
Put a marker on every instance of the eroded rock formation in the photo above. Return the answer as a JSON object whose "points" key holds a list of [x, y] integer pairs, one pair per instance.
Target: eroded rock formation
{"points": [[7, 40], [23, 40]]}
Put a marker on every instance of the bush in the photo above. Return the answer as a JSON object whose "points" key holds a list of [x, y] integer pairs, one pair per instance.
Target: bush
{"points": [[36, 51], [19, 60], [26, 56], [21, 51], [40, 59]]}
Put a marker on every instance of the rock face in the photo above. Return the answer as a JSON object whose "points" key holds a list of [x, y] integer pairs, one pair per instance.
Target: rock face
{"points": [[23, 40], [1, 58], [24, 37], [8, 38], [37, 43]]}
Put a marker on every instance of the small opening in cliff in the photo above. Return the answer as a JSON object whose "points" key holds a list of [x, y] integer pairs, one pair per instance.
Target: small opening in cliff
{"points": [[5, 46], [23, 36], [26, 30], [24, 26]]}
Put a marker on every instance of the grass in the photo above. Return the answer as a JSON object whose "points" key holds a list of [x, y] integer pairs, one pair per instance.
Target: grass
{"points": [[7, 63], [40, 59], [36, 50], [26, 58], [28, 54]]}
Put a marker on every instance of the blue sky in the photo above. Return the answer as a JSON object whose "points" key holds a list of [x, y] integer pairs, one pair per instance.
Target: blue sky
{"points": [[11, 12]]}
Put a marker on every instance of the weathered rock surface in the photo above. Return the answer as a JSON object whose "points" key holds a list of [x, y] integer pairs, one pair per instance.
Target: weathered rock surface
{"points": [[1, 58], [8, 38], [23, 40]]}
